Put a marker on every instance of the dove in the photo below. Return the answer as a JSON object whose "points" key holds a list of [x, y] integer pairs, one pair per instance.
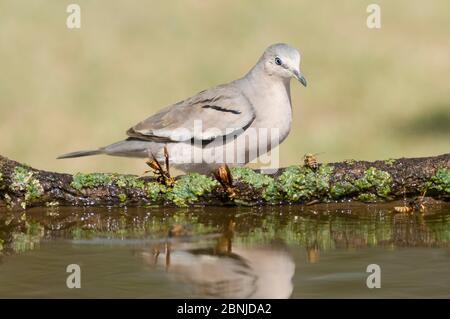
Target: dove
{"points": [[232, 124]]}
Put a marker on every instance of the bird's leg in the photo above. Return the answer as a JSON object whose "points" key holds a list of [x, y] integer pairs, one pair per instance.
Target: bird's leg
{"points": [[223, 176], [156, 168], [168, 180], [154, 165]]}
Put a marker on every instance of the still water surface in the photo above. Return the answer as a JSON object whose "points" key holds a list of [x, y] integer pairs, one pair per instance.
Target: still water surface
{"points": [[275, 252]]}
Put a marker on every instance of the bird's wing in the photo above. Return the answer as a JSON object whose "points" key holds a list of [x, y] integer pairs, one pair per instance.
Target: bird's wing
{"points": [[219, 111]]}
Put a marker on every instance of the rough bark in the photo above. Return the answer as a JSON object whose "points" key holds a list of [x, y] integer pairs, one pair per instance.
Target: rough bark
{"points": [[23, 186]]}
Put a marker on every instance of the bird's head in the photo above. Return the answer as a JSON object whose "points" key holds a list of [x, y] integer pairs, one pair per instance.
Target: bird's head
{"points": [[283, 61]]}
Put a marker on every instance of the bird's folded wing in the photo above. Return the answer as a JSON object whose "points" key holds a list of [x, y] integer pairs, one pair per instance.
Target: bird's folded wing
{"points": [[219, 111]]}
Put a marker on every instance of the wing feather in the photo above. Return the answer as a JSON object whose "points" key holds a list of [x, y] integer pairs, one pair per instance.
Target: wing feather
{"points": [[212, 113]]}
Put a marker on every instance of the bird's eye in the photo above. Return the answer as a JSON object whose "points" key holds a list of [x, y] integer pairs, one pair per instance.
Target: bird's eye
{"points": [[278, 61]]}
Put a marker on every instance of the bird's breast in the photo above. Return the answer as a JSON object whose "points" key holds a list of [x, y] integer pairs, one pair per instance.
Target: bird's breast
{"points": [[273, 111]]}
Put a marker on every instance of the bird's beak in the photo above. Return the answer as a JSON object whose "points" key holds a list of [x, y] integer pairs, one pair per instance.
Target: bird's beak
{"points": [[300, 77]]}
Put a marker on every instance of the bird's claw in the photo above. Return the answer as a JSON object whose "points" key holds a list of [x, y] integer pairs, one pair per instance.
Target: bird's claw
{"points": [[223, 176], [163, 175]]}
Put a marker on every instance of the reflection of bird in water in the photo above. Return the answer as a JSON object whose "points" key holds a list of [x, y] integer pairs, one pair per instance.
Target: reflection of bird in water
{"points": [[312, 253], [213, 270]]}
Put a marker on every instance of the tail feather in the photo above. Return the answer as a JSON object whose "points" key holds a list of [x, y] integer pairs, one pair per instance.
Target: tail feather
{"points": [[80, 154]]}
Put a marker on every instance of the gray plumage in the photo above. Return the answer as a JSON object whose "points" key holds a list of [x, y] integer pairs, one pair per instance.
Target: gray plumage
{"points": [[259, 100]]}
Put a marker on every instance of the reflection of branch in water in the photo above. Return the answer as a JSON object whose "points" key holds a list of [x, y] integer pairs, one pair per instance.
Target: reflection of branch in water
{"points": [[216, 269], [224, 241], [328, 227], [411, 232]]}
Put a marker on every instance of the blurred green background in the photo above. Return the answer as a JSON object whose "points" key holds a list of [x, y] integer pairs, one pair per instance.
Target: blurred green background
{"points": [[372, 94]]}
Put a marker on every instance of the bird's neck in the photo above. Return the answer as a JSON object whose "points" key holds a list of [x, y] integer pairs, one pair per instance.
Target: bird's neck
{"points": [[270, 95], [259, 77], [267, 86]]}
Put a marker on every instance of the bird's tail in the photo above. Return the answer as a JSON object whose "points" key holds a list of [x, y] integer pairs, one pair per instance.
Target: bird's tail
{"points": [[81, 153]]}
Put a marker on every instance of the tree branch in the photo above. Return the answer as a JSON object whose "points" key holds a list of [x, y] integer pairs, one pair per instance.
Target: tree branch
{"points": [[22, 186]]}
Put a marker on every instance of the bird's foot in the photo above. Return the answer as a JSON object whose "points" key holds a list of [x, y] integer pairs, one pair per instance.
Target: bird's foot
{"points": [[223, 176], [163, 175]]}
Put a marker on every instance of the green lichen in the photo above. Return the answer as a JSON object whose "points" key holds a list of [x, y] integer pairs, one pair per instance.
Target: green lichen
{"points": [[257, 181], [341, 189], [23, 180], [350, 161], [92, 180], [302, 183], [389, 161], [34, 190], [188, 188], [367, 197], [28, 239], [440, 182], [52, 204], [271, 193], [251, 177], [374, 181], [128, 181], [153, 189], [122, 197]]}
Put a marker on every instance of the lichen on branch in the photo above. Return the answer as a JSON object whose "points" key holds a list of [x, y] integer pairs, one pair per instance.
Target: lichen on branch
{"points": [[22, 186]]}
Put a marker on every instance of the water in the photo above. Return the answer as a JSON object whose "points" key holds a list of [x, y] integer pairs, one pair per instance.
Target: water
{"points": [[276, 252]]}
